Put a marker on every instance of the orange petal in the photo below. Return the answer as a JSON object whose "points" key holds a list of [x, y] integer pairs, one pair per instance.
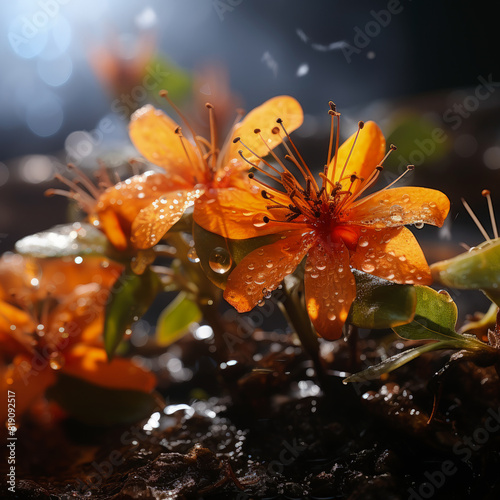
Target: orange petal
{"points": [[264, 118], [92, 365], [399, 206], [28, 383], [366, 155], [14, 327], [330, 288], [262, 270], [393, 254], [155, 220], [237, 214], [153, 134], [119, 205]]}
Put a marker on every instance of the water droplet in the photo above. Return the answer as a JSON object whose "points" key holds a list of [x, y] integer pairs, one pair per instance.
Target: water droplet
{"points": [[447, 296], [402, 258], [405, 198], [258, 220], [367, 267], [419, 225], [320, 266], [260, 279], [397, 213], [269, 264], [266, 293], [331, 316], [193, 256], [251, 267], [56, 360], [363, 242], [220, 260]]}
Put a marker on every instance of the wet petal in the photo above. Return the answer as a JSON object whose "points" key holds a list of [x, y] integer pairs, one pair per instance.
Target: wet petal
{"points": [[238, 214], [399, 206], [119, 205], [154, 221], [153, 134], [393, 254], [27, 380], [330, 288], [366, 155], [264, 118], [91, 364], [16, 327], [261, 271]]}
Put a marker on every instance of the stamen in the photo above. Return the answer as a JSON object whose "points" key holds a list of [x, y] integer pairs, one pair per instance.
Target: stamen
{"points": [[360, 126], [335, 157], [476, 220], [280, 122], [486, 193], [369, 182], [84, 180], [276, 179], [332, 112], [213, 134], [178, 132], [164, 94]]}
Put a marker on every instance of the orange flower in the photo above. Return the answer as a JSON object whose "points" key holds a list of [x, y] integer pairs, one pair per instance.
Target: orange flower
{"points": [[330, 223], [46, 331], [192, 169]]}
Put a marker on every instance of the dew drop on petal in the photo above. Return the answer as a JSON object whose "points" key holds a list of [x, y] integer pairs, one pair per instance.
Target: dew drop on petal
{"points": [[266, 293], [367, 267], [193, 256], [331, 316], [419, 225], [397, 213], [220, 260], [56, 360], [405, 198], [258, 220], [363, 242]]}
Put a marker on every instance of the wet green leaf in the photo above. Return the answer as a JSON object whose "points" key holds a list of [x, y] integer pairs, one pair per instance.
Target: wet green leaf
{"points": [[131, 296], [394, 362], [96, 405], [380, 303], [176, 318], [479, 268], [219, 256], [435, 317], [79, 238]]}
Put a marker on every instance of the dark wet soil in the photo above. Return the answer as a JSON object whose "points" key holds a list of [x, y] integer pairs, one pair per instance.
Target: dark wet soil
{"points": [[260, 427]]}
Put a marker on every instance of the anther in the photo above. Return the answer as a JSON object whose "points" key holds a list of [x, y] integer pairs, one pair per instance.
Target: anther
{"points": [[256, 131], [279, 120], [251, 175], [163, 93], [410, 167], [264, 195], [236, 139], [361, 125], [392, 147], [379, 168], [485, 192], [265, 219], [332, 105], [208, 105], [275, 130]]}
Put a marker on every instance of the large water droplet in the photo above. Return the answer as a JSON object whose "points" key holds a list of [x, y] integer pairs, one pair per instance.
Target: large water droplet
{"points": [[220, 260], [367, 267], [405, 198], [193, 256], [419, 225], [363, 242], [331, 316]]}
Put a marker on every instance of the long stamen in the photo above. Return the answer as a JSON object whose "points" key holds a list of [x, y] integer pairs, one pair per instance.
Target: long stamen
{"points": [[337, 139], [213, 134], [164, 94], [85, 197], [269, 189], [332, 113], [85, 180], [254, 165], [178, 132], [297, 152], [476, 220], [238, 139], [360, 126], [486, 193], [369, 182]]}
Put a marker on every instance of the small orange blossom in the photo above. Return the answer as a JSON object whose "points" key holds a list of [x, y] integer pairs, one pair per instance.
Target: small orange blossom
{"points": [[331, 224]]}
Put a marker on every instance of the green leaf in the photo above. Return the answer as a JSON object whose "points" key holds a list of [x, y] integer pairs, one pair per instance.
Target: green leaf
{"points": [[380, 303], [435, 317], [175, 319], [479, 268], [131, 296], [65, 240], [96, 405], [208, 244], [390, 364], [168, 76]]}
